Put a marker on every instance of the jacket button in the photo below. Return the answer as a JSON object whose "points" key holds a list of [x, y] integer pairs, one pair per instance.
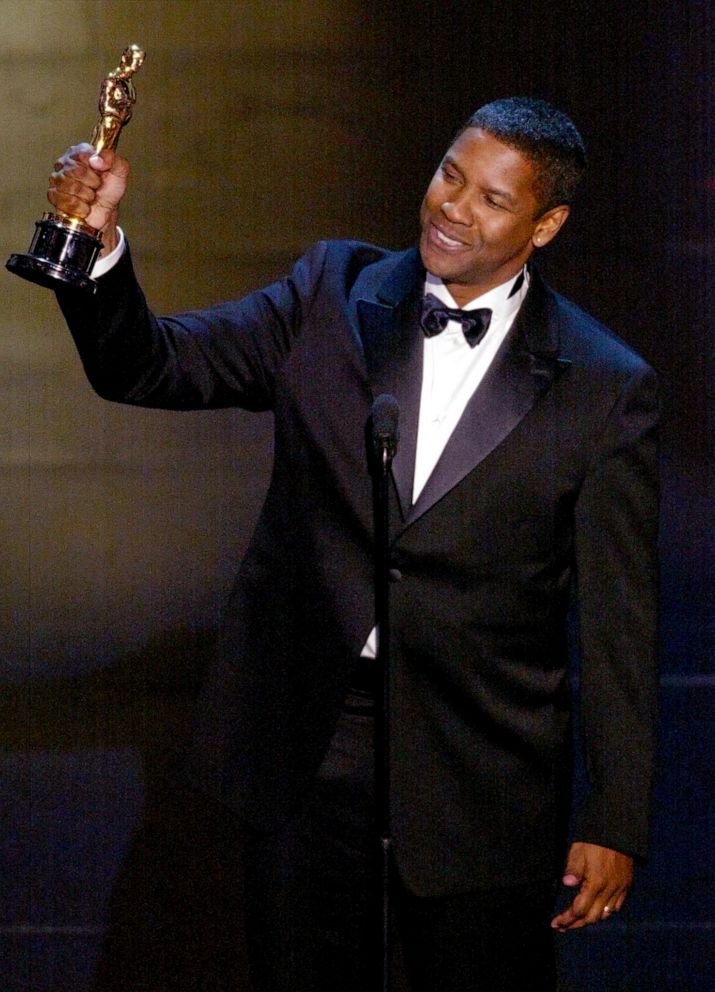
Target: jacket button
{"points": [[395, 575]]}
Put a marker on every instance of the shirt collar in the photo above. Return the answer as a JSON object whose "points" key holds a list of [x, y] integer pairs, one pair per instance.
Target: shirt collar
{"points": [[499, 299]]}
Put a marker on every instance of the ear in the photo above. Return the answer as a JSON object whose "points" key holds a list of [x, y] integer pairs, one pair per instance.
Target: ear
{"points": [[549, 225]]}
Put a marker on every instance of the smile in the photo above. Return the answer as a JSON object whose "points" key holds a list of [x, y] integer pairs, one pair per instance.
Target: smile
{"points": [[441, 239]]}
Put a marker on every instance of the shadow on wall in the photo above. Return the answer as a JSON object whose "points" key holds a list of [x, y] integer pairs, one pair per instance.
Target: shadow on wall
{"points": [[175, 912], [128, 878]]}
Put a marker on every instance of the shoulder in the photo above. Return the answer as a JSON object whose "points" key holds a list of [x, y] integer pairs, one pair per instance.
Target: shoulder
{"points": [[588, 342], [347, 266], [350, 252], [344, 254]]}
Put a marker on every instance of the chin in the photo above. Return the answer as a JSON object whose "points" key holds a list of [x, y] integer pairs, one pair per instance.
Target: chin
{"points": [[432, 261], [438, 267]]}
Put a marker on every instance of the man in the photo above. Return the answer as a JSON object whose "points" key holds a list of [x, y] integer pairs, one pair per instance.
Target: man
{"points": [[526, 469]]}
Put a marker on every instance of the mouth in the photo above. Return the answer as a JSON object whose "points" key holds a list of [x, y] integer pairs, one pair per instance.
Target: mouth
{"points": [[438, 237]]}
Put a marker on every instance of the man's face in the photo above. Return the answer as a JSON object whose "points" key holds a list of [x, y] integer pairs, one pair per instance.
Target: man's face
{"points": [[478, 216]]}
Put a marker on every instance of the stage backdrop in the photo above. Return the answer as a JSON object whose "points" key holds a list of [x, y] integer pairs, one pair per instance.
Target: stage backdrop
{"points": [[260, 127]]}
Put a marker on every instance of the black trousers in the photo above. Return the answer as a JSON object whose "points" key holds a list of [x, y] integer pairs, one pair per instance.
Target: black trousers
{"points": [[313, 900]]}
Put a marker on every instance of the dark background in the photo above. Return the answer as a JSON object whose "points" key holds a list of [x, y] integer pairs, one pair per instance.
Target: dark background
{"points": [[260, 127]]}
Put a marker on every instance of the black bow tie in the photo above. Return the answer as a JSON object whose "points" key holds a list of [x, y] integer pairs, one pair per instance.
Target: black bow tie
{"points": [[435, 316]]}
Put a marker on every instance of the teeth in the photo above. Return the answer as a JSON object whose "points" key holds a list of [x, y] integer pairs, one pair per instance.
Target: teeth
{"points": [[450, 242]]}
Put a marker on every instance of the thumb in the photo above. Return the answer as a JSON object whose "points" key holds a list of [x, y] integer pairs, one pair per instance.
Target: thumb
{"points": [[575, 866], [108, 161], [102, 161]]}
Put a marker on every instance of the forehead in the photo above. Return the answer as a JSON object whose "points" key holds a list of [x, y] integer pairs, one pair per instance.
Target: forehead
{"points": [[488, 162]]}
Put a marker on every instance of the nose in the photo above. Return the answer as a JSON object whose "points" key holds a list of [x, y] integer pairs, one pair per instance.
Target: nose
{"points": [[457, 210]]}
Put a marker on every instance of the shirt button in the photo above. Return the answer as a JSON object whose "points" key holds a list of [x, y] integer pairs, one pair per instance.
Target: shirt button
{"points": [[395, 575]]}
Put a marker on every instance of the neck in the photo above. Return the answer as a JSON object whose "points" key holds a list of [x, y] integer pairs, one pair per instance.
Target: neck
{"points": [[464, 295]]}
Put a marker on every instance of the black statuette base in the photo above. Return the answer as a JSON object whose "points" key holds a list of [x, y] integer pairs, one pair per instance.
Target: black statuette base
{"points": [[58, 254]]}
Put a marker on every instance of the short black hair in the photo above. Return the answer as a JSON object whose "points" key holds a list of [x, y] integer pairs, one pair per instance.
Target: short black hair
{"points": [[543, 134]]}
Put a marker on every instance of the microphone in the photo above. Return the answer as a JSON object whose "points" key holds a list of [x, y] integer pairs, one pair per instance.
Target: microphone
{"points": [[385, 430]]}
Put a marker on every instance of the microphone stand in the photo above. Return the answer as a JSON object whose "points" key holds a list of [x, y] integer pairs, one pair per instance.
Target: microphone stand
{"points": [[385, 437]]}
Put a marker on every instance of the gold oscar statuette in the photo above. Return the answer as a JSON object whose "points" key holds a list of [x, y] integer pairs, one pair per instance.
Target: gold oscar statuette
{"points": [[64, 248]]}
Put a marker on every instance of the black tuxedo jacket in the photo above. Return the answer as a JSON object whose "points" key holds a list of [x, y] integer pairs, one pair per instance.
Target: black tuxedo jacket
{"points": [[548, 484]]}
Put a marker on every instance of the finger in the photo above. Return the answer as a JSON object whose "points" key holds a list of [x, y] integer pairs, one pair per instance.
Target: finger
{"points": [[614, 903], [586, 907], [564, 921], [583, 913], [74, 155], [569, 918], [82, 161], [69, 186], [73, 206]]}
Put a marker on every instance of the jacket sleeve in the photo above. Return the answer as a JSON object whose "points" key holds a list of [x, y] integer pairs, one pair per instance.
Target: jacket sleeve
{"points": [[617, 587], [227, 355]]}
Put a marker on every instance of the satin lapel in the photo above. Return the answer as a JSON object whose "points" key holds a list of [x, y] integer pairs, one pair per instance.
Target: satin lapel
{"points": [[524, 368], [392, 345]]}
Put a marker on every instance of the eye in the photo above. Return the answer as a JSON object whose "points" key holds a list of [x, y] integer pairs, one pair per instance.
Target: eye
{"points": [[449, 173], [494, 204]]}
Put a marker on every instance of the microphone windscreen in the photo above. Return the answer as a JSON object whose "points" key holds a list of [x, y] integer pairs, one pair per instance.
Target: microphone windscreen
{"points": [[385, 421]]}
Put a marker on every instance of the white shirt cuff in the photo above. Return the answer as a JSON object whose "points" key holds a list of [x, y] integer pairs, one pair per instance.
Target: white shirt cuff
{"points": [[106, 262]]}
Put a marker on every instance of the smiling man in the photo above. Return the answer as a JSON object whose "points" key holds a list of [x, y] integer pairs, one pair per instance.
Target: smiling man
{"points": [[526, 475]]}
